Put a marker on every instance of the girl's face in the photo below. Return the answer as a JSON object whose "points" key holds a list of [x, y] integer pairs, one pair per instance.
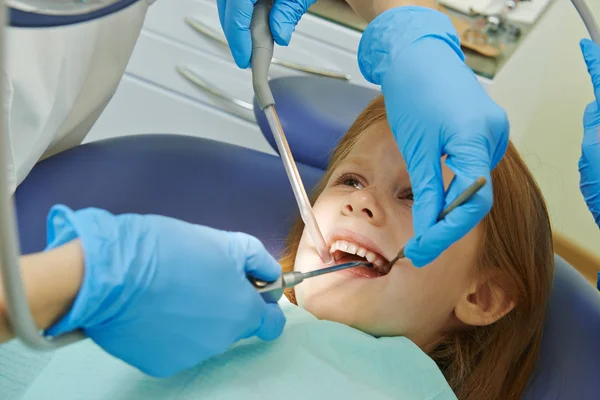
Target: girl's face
{"points": [[365, 210]]}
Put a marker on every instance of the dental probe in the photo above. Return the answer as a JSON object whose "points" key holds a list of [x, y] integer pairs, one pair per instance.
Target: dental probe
{"points": [[272, 291], [262, 54], [460, 200]]}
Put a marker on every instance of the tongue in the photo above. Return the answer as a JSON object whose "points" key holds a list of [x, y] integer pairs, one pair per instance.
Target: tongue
{"points": [[351, 257], [343, 257]]}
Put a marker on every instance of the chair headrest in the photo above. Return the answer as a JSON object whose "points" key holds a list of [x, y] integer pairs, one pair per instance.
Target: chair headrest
{"points": [[569, 358], [312, 115]]}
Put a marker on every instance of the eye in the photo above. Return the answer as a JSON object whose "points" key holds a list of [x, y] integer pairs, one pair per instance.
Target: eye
{"points": [[353, 182], [349, 179], [406, 195]]}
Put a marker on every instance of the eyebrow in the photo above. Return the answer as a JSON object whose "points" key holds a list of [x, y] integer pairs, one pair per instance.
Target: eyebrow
{"points": [[358, 161]]}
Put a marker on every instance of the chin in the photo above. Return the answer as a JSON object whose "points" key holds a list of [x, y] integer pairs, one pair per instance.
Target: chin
{"points": [[327, 312], [346, 317], [341, 306]]}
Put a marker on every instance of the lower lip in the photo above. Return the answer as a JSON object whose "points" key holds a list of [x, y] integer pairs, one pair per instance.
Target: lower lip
{"points": [[357, 272]]}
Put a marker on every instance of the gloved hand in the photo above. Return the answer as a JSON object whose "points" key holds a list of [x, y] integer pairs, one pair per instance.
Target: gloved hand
{"points": [[235, 16], [435, 106], [164, 295], [589, 163]]}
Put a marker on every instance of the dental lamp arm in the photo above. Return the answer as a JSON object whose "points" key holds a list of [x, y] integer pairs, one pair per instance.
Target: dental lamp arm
{"points": [[52, 280]]}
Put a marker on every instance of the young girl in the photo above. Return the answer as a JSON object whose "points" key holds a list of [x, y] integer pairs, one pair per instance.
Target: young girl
{"points": [[477, 310]]}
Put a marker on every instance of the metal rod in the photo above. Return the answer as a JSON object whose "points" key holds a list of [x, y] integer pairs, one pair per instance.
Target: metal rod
{"points": [[306, 212], [262, 55]]}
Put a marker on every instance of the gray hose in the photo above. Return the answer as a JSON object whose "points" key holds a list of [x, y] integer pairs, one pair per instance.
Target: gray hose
{"points": [[262, 53], [588, 19], [17, 306]]}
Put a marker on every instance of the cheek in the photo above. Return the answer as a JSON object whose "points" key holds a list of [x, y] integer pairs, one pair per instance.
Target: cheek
{"points": [[431, 286], [449, 276], [464, 254], [304, 256], [327, 207], [435, 289], [420, 301], [402, 227]]}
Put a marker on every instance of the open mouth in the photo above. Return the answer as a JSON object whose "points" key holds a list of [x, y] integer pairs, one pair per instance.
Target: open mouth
{"points": [[347, 251]]}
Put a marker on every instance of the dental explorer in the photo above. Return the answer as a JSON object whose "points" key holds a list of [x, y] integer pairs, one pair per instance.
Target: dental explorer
{"points": [[262, 54], [460, 200], [272, 291]]}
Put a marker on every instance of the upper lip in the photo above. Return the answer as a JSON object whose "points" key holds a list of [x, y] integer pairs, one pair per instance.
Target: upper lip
{"points": [[356, 238]]}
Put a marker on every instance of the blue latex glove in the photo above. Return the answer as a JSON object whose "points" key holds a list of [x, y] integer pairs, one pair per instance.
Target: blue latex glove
{"points": [[435, 106], [235, 16], [164, 295], [589, 163]]}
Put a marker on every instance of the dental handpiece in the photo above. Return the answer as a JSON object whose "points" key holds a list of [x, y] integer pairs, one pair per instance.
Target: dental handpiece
{"points": [[272, 291], [262, 54]]}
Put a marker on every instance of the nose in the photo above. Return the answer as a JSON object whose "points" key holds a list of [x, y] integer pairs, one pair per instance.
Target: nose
{"points": [[364, 204]]}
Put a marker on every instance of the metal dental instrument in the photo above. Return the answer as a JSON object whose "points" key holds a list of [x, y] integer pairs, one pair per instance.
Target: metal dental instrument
{"points": [[272, 291], [262, 54], [460, 200]]}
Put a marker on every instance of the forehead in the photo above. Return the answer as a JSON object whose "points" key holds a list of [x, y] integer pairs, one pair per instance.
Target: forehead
{"points": [[377, 143]]}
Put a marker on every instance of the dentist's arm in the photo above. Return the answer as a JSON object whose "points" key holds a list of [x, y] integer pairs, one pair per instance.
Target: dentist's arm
{"points": [[52, 280], [589, 163], [161, 294]]}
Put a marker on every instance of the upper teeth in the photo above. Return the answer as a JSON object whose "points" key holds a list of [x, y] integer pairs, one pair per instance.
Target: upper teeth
{"points": [[351, 248]]}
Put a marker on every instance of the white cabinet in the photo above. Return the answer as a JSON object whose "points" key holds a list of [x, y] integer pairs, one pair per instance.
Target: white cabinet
{"points": [[140, 107], [156, 59], [315, 51], [185, 36]]}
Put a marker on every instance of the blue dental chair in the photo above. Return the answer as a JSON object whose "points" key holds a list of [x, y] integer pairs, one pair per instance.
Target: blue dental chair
{"points": [[215, 184]]}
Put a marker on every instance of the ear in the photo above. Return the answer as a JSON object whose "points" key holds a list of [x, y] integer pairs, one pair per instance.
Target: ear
{"points": [[486, 301]]}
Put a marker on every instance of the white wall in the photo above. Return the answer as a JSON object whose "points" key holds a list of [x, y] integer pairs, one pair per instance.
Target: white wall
{"points": [[545, 88]]}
